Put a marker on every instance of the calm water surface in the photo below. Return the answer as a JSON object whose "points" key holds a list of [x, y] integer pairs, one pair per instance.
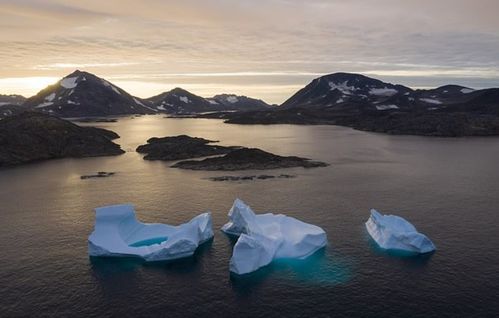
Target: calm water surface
{"points": [[448, 188]]}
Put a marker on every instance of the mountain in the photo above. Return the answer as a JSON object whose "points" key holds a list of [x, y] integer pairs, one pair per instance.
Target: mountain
{"points": [[238, 103], [355, 93], [11, 99], [344, 91], [365, 103], [33, 136], [82, 94], [180, 101]]}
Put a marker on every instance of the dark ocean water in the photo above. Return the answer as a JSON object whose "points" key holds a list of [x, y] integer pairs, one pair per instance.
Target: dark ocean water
{"points": [[448, 188]]}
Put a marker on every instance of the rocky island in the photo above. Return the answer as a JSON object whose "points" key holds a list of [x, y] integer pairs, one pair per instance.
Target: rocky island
{"points": [[180, 147], [32, 136], [234, 157], [248, 159]]}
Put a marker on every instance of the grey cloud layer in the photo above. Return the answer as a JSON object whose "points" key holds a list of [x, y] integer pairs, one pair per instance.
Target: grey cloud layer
{"points": [[447, 40]]}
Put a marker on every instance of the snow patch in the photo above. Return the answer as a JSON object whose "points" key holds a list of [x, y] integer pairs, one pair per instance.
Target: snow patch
{"points": [[50, 97], [213, 102], [430, 101], [107, 84], [343, 87], [184, 99], [69, 82], [386, 107], [138, 102], [44, 104], [383, 91], [467, 90], [232, 99]]}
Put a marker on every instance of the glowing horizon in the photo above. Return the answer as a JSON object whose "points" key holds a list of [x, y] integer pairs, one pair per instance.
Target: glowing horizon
{"points": [[262, 49]]}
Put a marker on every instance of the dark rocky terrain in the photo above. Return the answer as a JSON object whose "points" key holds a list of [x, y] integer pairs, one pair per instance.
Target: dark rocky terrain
{"points": [[7, 110], [33, 136], [12, 99], [180, 147], [248, 159], [368, 104], [81, 94]]}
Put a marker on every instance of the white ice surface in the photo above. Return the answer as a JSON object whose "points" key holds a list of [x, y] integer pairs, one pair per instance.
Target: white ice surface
{"points": [[265, 237], [117, 230], [393, 232]]}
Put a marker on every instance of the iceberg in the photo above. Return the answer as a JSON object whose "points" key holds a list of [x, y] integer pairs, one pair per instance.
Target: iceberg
{"points": [[265, 237], [117, 233], [393, 232]]}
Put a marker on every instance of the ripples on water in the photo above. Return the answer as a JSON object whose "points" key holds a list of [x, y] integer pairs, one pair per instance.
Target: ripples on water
{"points": [[447, 187]]}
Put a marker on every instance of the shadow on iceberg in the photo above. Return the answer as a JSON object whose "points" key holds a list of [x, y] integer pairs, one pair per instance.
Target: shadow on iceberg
{"points": [[267, 237], [104, 266], [393, 235], [117, 233]]}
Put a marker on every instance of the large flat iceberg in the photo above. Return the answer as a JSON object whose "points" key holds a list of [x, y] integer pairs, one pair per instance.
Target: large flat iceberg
{"points": [[392, 232], [118, 233], [265, 237]]}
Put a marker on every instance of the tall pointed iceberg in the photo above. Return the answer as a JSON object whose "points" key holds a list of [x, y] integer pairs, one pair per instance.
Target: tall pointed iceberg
{"points": [[265, 237], [392, 232], [117, 233]]}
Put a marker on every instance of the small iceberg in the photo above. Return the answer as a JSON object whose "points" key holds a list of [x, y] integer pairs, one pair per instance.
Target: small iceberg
{"points": [[392, 232], [117, 233], [265, 237]]}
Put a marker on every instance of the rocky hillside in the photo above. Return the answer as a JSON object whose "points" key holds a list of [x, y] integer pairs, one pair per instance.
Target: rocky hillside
{"points": [[33, 136]]}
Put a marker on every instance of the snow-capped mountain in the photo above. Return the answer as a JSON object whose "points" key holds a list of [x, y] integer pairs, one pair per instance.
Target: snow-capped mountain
{"points": [[341, 90], [239, 103], [354, 93], [83, 94], [180, 101]]}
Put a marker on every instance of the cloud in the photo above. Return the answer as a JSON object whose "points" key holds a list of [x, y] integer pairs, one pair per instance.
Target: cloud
{"points": [[272, 42]]}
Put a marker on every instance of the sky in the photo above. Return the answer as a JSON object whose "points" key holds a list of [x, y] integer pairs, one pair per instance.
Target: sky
{"points": [[263, 49]]}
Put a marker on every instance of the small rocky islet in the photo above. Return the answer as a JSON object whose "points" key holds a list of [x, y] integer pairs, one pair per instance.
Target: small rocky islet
{"points": [[181, 147], [232, 159]]}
